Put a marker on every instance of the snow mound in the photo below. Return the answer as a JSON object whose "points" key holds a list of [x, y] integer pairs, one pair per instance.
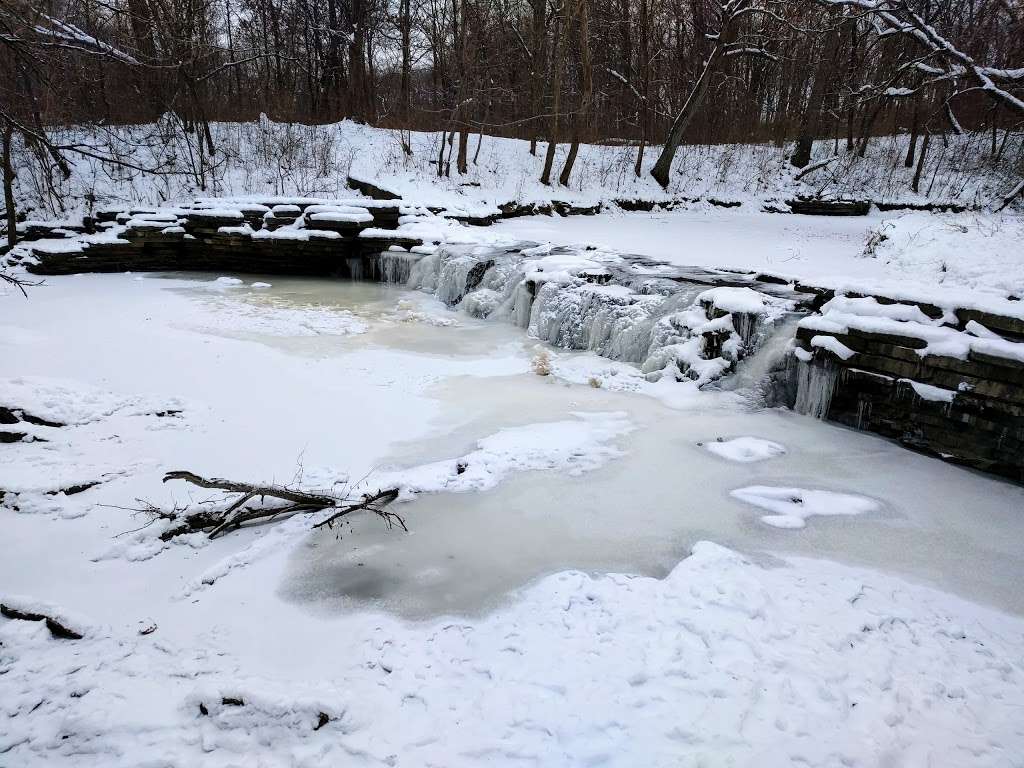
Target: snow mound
{"points": [[31, 607], [811, 664], [746, 449], [572, 446], [728, 299], [963, 251], [793, 506], [74, 402]]}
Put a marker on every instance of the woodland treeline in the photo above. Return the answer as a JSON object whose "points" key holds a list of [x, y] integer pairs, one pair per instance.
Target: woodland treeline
{"points": [[635, 71]]}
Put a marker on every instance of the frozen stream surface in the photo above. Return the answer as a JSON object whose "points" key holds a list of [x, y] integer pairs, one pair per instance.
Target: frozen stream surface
{"points": [[852, 571]]}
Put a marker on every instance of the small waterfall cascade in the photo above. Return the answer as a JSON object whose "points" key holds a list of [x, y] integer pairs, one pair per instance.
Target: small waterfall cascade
{"points": [[679, 327], [395, 266], [765, 376], [357, 268], [816, 383]]}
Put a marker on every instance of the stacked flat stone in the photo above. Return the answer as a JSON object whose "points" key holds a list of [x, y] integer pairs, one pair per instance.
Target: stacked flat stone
{"points": [[825, 207], [948, 381]]}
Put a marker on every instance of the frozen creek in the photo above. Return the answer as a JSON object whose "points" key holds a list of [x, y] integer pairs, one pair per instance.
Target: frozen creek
{"points": [[367, 380], [322, 379]]}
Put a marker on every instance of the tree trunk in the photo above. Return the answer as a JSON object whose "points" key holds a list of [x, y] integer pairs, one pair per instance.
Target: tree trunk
{"points": [[8, 169], [692, 104], [920, 162], [914, 127], [586, 71], [405, 22], [536, 66], [461, 162], [558, 64], [811, 115], [357, 64], [440, 155], [865, 128], [644, 69]]}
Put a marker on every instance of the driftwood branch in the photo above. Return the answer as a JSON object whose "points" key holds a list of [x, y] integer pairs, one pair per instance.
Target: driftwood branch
{"points": [[17, 282], [259, 502]]}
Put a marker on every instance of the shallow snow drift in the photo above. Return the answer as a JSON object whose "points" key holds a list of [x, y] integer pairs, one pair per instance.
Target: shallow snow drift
{"points": [[722, 662], [793, 506], [746, 449]]}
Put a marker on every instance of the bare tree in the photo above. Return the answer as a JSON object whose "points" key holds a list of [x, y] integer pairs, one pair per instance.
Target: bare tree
{"points": [[728, 39]]}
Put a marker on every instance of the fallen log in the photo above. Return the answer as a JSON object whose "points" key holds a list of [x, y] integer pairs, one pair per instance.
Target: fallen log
{"points": [[253, 502]]}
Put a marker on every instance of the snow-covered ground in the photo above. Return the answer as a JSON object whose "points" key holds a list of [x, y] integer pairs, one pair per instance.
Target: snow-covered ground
{"points": [[268, 158], [556, 601], [901, 250]]}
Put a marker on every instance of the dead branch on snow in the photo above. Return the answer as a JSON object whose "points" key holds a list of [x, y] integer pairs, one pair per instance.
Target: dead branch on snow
{"points": [[256, 502]]}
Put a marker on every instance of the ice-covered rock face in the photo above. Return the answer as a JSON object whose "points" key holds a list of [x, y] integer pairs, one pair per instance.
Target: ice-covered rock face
{"points": [[590, 301], [598, 318], [460, 270]]}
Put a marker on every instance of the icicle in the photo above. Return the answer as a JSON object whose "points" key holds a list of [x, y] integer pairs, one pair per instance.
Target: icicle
{"points": [[355, 267], [423, 274], [396, 267], [522, 305], [816, 382]]}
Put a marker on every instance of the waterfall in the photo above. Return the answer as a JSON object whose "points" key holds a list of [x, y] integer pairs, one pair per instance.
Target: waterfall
{"points": [[423, 274], [396, 267], [522, 305], [816, 382], [764, 375], [659, 325], [356, 267]]}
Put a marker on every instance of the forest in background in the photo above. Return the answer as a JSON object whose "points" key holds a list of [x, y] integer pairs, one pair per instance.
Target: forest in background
{"points": [[650, 74]]}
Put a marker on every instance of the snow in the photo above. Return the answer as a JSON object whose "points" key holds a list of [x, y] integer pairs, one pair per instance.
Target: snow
{"points": [[791, 507], [833, 345], [71, 621], [743, 300], [943, 259], [572, 447], [811, 247], [745, 449], [962, 251], [67, 401], [930, 392], [292, 233], [269, 162], [341, 214], [216, 213], [936, 338], [556, 600], [723, 660]]}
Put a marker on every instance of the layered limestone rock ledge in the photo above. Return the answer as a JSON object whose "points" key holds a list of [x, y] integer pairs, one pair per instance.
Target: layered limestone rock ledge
{"points": [[948, 380]]}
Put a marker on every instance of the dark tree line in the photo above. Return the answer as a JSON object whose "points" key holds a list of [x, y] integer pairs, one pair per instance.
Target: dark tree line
{"points": [[647, 72]]}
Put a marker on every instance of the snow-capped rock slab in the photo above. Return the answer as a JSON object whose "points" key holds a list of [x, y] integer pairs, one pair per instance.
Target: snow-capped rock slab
{"points": [[791, 507], [745, 449]]}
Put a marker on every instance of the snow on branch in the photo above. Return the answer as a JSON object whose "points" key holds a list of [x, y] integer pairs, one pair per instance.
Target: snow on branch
{"points": [[900, 18], [256, 502], [750, 51], [67, 35]]}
